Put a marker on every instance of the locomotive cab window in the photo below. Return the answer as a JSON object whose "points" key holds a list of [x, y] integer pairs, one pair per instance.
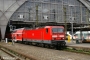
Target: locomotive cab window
{"points": [[46, 30], [59, 30]]}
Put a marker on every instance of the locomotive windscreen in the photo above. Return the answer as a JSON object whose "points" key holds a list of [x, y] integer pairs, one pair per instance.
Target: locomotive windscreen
{"points": [[59, 30]]}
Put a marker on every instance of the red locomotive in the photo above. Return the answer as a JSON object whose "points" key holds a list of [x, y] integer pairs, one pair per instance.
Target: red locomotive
{"points": [[52, 35]]}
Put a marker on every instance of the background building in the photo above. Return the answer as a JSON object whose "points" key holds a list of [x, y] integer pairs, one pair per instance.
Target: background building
{"points": [[44, 11], [52, 11], [7, 8]]}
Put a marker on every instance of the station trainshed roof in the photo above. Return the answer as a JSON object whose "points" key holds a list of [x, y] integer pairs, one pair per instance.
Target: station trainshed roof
{"points": [[76, 26]]}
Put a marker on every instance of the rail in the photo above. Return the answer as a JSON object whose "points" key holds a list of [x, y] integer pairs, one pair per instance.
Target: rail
{"points": [[21, 55], [10, 54]]}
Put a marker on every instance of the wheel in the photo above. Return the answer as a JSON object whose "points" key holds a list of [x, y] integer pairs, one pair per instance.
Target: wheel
{"points": [[42, 45], [63, 43], [30, 43], [22, 41]]}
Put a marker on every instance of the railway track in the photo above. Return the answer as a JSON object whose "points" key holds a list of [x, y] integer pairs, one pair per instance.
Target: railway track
{"points": [[27, 51], [4, 55], [9, 54]]}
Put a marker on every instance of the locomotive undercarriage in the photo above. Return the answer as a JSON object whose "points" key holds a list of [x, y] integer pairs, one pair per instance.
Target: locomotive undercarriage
{"points": [[57, 44]]}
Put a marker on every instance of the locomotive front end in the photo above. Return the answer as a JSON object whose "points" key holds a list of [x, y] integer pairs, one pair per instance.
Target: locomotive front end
{"points": [[58, 36]]}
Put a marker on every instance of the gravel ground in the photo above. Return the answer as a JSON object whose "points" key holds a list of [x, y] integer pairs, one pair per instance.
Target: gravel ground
{"points": [[45, 53], [3, 54]]}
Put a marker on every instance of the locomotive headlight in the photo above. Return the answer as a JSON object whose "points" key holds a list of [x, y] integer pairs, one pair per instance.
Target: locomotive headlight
{"points": [[53, 38], [62, 38]]}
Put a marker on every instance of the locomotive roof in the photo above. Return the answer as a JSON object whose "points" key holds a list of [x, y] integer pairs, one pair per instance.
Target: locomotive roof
{"points": [[21, 29], [46, 27], [18, 30], [52, 26]]}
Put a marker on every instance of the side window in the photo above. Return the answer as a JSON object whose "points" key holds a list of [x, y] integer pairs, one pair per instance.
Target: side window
{"points": [[46, 30], [76, 35], [89, 34]]}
